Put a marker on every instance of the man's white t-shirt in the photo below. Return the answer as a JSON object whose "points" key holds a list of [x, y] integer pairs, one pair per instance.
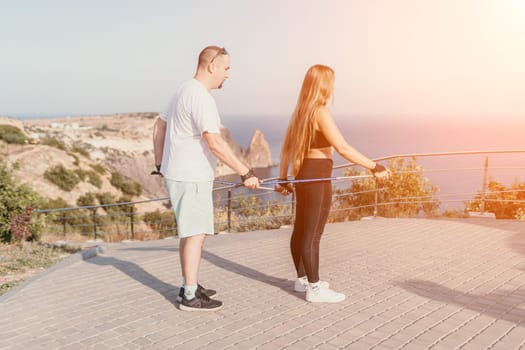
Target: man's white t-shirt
{"points": [[191, 112]]}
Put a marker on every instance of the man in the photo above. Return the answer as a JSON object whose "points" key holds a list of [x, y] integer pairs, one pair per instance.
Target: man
{"points": [[186, 137]]}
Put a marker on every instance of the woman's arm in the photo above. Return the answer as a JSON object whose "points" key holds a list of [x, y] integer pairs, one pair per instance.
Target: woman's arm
{"points": [[331, 132]]}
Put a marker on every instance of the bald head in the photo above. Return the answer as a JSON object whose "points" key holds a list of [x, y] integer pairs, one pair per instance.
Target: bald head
{"points": [[213, 67], [209, 54]]}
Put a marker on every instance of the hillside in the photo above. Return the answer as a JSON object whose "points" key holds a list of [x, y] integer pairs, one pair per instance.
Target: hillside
{"points": [[120, 142]]}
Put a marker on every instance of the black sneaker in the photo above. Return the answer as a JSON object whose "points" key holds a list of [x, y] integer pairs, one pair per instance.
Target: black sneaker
{"points": [[201, 302], [207, 292]]}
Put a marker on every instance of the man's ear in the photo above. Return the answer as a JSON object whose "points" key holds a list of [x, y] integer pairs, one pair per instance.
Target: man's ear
{"points": [[211, 67]]}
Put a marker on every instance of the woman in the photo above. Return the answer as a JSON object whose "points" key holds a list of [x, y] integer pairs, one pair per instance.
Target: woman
{"points": [[308, 147]]}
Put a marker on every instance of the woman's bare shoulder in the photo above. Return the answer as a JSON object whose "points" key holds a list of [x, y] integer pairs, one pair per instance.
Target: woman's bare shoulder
{"points": [[323, 116]]}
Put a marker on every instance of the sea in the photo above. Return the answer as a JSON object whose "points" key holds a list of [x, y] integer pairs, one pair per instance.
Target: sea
{"points": [[456, 176]]}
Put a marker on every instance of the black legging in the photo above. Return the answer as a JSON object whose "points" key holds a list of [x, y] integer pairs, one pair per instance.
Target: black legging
{"points": [[313, 205]]}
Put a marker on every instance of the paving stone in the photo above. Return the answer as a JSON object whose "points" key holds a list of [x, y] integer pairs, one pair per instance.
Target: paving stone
{"points": [[411, 284]]}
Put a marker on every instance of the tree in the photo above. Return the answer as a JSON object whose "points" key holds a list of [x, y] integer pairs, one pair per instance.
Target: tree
{"points": [[405, 194], [14, 200], [504, 202]]}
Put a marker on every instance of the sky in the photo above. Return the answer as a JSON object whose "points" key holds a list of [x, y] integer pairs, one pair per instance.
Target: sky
{"points": [[445, 59]]}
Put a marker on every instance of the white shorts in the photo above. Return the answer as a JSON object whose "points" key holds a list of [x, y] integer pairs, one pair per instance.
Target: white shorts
{"points": [[192, 203]]}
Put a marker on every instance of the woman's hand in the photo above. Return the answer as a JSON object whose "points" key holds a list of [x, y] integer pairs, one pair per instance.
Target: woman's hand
{"points": [[380, 172], [284, 188]]}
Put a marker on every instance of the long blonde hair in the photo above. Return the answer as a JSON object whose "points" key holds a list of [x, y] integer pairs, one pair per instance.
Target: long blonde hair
{"points": [[318, 85]]}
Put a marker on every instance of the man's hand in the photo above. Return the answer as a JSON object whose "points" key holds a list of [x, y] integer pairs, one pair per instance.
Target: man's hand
{"points": [[249, 180], [156, 171]]}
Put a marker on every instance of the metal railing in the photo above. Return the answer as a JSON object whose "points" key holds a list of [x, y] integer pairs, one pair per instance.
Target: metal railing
{"points": [[237, 209]]}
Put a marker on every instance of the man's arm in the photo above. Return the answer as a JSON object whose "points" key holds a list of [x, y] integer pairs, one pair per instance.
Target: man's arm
{"points": [[159, 133], [222, 150]]}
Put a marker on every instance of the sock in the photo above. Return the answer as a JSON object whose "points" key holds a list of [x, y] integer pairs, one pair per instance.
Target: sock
{"points": [[183, 282], [315, 285], [303, 280], [189, 291]]}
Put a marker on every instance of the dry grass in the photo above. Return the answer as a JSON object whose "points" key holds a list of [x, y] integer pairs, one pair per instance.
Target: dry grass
{"points": [[20, 262]]}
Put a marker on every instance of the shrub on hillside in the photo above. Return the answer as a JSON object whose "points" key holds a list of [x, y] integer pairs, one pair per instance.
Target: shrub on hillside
{"points": [[14, 199], [55, 203], [105, 198], [162, 223], [53, 142], [126, 185], [80, 149], [98, 168], [88, 199], [80, 173], [94, 179], [61, 177], [76, 161], [12, 134], [250, 213]]}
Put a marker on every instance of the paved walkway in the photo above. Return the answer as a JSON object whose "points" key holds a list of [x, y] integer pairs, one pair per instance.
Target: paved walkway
{"points": [[410, 284]]}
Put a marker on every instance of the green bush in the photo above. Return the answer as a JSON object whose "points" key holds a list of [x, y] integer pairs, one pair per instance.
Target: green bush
{"points": [[504, 202], [250, 213], [76, 161], [126, 185], [12, 134], [53, 142], [98, 168], [404, 194], [61, 177], [81, 174], [105, 198], [161, 222], [14, 200], [88, 199], [94, 179], [80, 149], [56, 203]]}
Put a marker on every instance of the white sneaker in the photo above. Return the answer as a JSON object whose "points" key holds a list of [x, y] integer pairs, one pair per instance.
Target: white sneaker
{"points": [[323, 295], [301, 284]]}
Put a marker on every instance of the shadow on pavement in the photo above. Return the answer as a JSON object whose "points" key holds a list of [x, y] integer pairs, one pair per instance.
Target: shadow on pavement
{"points": [[500, 304], [229, 265], [168, 291]]}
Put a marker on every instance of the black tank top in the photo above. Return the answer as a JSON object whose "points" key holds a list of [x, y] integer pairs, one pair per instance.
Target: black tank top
{"points": [[319, 140]]}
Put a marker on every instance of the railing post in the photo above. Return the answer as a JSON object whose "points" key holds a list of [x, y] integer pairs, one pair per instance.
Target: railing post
{"points": [[485, 175], [229, 209], [376, 199], [132, 219], [94, 223], [293, 207], [64, 224]]}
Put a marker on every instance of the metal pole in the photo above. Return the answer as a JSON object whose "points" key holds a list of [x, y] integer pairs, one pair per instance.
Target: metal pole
{"points": [[64, 224], [485, 175], [376, 199], [293, 207], [94, 223], [131, 218], [229, 210]]}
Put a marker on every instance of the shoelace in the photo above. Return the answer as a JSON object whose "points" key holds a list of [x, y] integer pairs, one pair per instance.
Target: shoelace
{"points": [[204, 297]]}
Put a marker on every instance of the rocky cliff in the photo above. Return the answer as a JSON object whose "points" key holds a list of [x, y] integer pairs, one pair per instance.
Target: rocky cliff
{"points": [[122, 142]]}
